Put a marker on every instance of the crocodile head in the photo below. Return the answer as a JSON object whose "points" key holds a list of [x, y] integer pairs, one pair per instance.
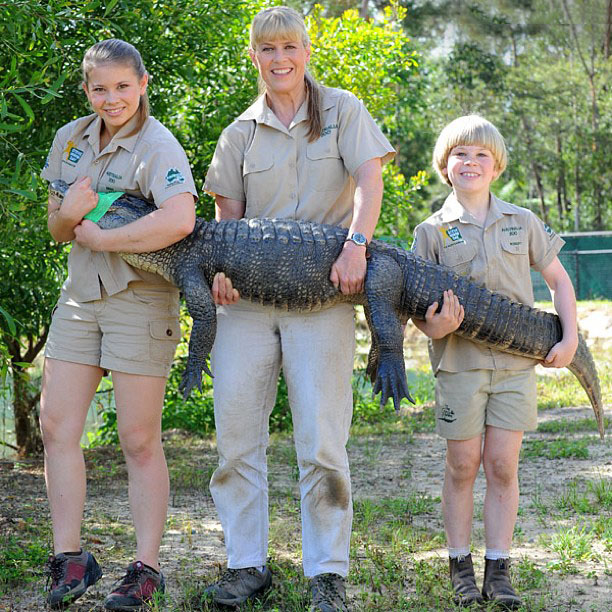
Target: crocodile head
{"points": [[122, 211]]}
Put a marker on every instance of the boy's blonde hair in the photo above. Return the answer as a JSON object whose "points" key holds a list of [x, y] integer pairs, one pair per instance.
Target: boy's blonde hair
{"points": [[469, 130], [285, 23], [116, 51]]}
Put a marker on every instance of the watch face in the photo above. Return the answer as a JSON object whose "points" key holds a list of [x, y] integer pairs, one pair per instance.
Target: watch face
{"points": [[359, 239]]}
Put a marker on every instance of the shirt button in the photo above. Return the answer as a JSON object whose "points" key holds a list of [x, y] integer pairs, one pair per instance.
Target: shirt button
{"points": [[292, 194]]}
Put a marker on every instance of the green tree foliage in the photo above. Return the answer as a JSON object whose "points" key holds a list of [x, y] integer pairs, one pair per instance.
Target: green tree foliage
{"points": [[540, 70], [201, 79]]}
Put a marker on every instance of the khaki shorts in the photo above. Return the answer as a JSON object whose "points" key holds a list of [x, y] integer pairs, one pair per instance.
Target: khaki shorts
{"points": [[135, 331], [468, 401]]}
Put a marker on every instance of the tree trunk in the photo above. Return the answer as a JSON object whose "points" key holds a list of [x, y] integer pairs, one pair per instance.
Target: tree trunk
{"points": [[578, 197], [608, 35], [536, 171], [363, 10], [25, 395], [27, 432], [561, 195]]}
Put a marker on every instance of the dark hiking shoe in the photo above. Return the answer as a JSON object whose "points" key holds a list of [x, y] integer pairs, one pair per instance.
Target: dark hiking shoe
{"points": [[497, 587], [238, 585], [136, 588], [328, 593], [70, 576], [464, 581]]}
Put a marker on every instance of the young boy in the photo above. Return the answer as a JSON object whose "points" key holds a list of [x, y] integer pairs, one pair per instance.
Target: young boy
{"points": [[480, 390]]}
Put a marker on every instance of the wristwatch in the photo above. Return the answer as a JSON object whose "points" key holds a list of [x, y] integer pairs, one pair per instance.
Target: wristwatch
{"points": [[359, 239]]}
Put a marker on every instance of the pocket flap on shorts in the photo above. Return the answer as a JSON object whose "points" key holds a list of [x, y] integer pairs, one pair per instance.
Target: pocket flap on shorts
{"points": [[165, 329]]}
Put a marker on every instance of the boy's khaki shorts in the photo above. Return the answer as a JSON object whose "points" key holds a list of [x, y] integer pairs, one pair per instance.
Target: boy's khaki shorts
{"points": [[468, 401], [135, 331]]}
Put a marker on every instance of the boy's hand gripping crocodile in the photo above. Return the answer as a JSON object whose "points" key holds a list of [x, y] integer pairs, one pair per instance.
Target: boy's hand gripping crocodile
{"points": [[287, 263]]}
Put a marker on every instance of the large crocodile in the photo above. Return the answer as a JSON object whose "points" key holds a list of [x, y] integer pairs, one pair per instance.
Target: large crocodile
{"points": [[286, 263]]}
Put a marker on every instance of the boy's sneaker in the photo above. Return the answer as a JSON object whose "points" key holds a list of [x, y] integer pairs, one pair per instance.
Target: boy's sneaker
{"points": [[238, 585], [136, 588], [70, 576], [328, 593]]}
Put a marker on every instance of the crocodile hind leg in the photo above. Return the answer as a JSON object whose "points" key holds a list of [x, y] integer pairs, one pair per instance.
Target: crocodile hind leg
{"points": [[386, 359], [204, 315]]}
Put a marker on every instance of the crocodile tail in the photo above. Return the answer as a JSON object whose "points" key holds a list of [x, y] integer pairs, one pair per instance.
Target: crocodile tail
{"points": [[583, 368], [496, 321]]}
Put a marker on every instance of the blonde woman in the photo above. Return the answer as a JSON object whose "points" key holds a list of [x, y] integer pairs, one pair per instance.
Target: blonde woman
{"points": [[301, 151]]}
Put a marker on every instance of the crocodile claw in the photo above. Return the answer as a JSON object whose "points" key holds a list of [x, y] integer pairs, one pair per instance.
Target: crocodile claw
{"points": [[391, 382], [192, 377]]}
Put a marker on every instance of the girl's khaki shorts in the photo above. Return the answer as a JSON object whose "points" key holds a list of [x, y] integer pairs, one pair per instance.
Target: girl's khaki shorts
{"points": [[134, 331]]}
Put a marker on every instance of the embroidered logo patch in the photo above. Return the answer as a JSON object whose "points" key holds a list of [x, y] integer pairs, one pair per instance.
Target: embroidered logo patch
{"points": [[451, 235], [72, 153], [174, 177], [447, 414], [549, 230], [326, 131]]}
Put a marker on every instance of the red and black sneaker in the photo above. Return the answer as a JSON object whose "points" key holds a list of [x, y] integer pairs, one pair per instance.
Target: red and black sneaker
{"points": [[70, 577], [136, 588]]}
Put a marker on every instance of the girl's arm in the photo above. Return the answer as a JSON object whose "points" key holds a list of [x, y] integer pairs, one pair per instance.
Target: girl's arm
{"points": [[171, 222]]}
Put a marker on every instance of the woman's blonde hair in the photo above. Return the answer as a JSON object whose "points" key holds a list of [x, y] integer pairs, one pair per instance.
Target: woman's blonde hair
{"points": [[283, 22], [116, 51], [469, 130]]}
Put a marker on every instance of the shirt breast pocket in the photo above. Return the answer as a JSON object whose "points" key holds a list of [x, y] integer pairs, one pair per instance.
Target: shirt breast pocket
{"points": [[326, 171], [515, 257], [459, 258], [514, 246], [258, 177]]}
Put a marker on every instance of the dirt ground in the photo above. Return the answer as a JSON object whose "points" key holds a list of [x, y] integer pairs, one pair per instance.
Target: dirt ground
{"points": [[193, 544]]}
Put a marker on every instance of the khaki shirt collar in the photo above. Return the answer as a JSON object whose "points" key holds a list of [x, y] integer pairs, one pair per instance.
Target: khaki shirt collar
{"points": [[260, 112], [452, 210], [126, 137]]}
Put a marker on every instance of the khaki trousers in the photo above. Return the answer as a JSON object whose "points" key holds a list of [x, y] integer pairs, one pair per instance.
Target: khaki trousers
{"points": [[315, 351]]}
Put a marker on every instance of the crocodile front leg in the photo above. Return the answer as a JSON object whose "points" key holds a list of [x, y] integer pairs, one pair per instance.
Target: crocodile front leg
{"points": [[203, 313], [383, 287]]}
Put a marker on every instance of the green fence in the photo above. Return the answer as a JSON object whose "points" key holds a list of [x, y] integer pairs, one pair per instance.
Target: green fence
{"points": [[587, 257]]}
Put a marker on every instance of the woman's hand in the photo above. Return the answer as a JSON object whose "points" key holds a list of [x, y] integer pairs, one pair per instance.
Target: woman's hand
{"points": [[349, 270], [222, 290]]}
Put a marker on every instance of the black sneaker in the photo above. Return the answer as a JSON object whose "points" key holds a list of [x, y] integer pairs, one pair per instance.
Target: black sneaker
{"points": [[136, 588], [237, 585], [328, 593], [70, 576]]}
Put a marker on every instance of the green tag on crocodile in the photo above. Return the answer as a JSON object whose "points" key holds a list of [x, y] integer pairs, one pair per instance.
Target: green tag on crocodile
{"points": [[104, 203]]}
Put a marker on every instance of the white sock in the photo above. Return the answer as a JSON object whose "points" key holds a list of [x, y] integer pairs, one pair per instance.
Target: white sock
{"points": [[494, 554], [454, 553]]}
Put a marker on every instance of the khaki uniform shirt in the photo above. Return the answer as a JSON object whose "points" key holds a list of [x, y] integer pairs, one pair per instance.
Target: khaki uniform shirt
{"points": [[279, 174], [497, 255], [148, 164]]}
